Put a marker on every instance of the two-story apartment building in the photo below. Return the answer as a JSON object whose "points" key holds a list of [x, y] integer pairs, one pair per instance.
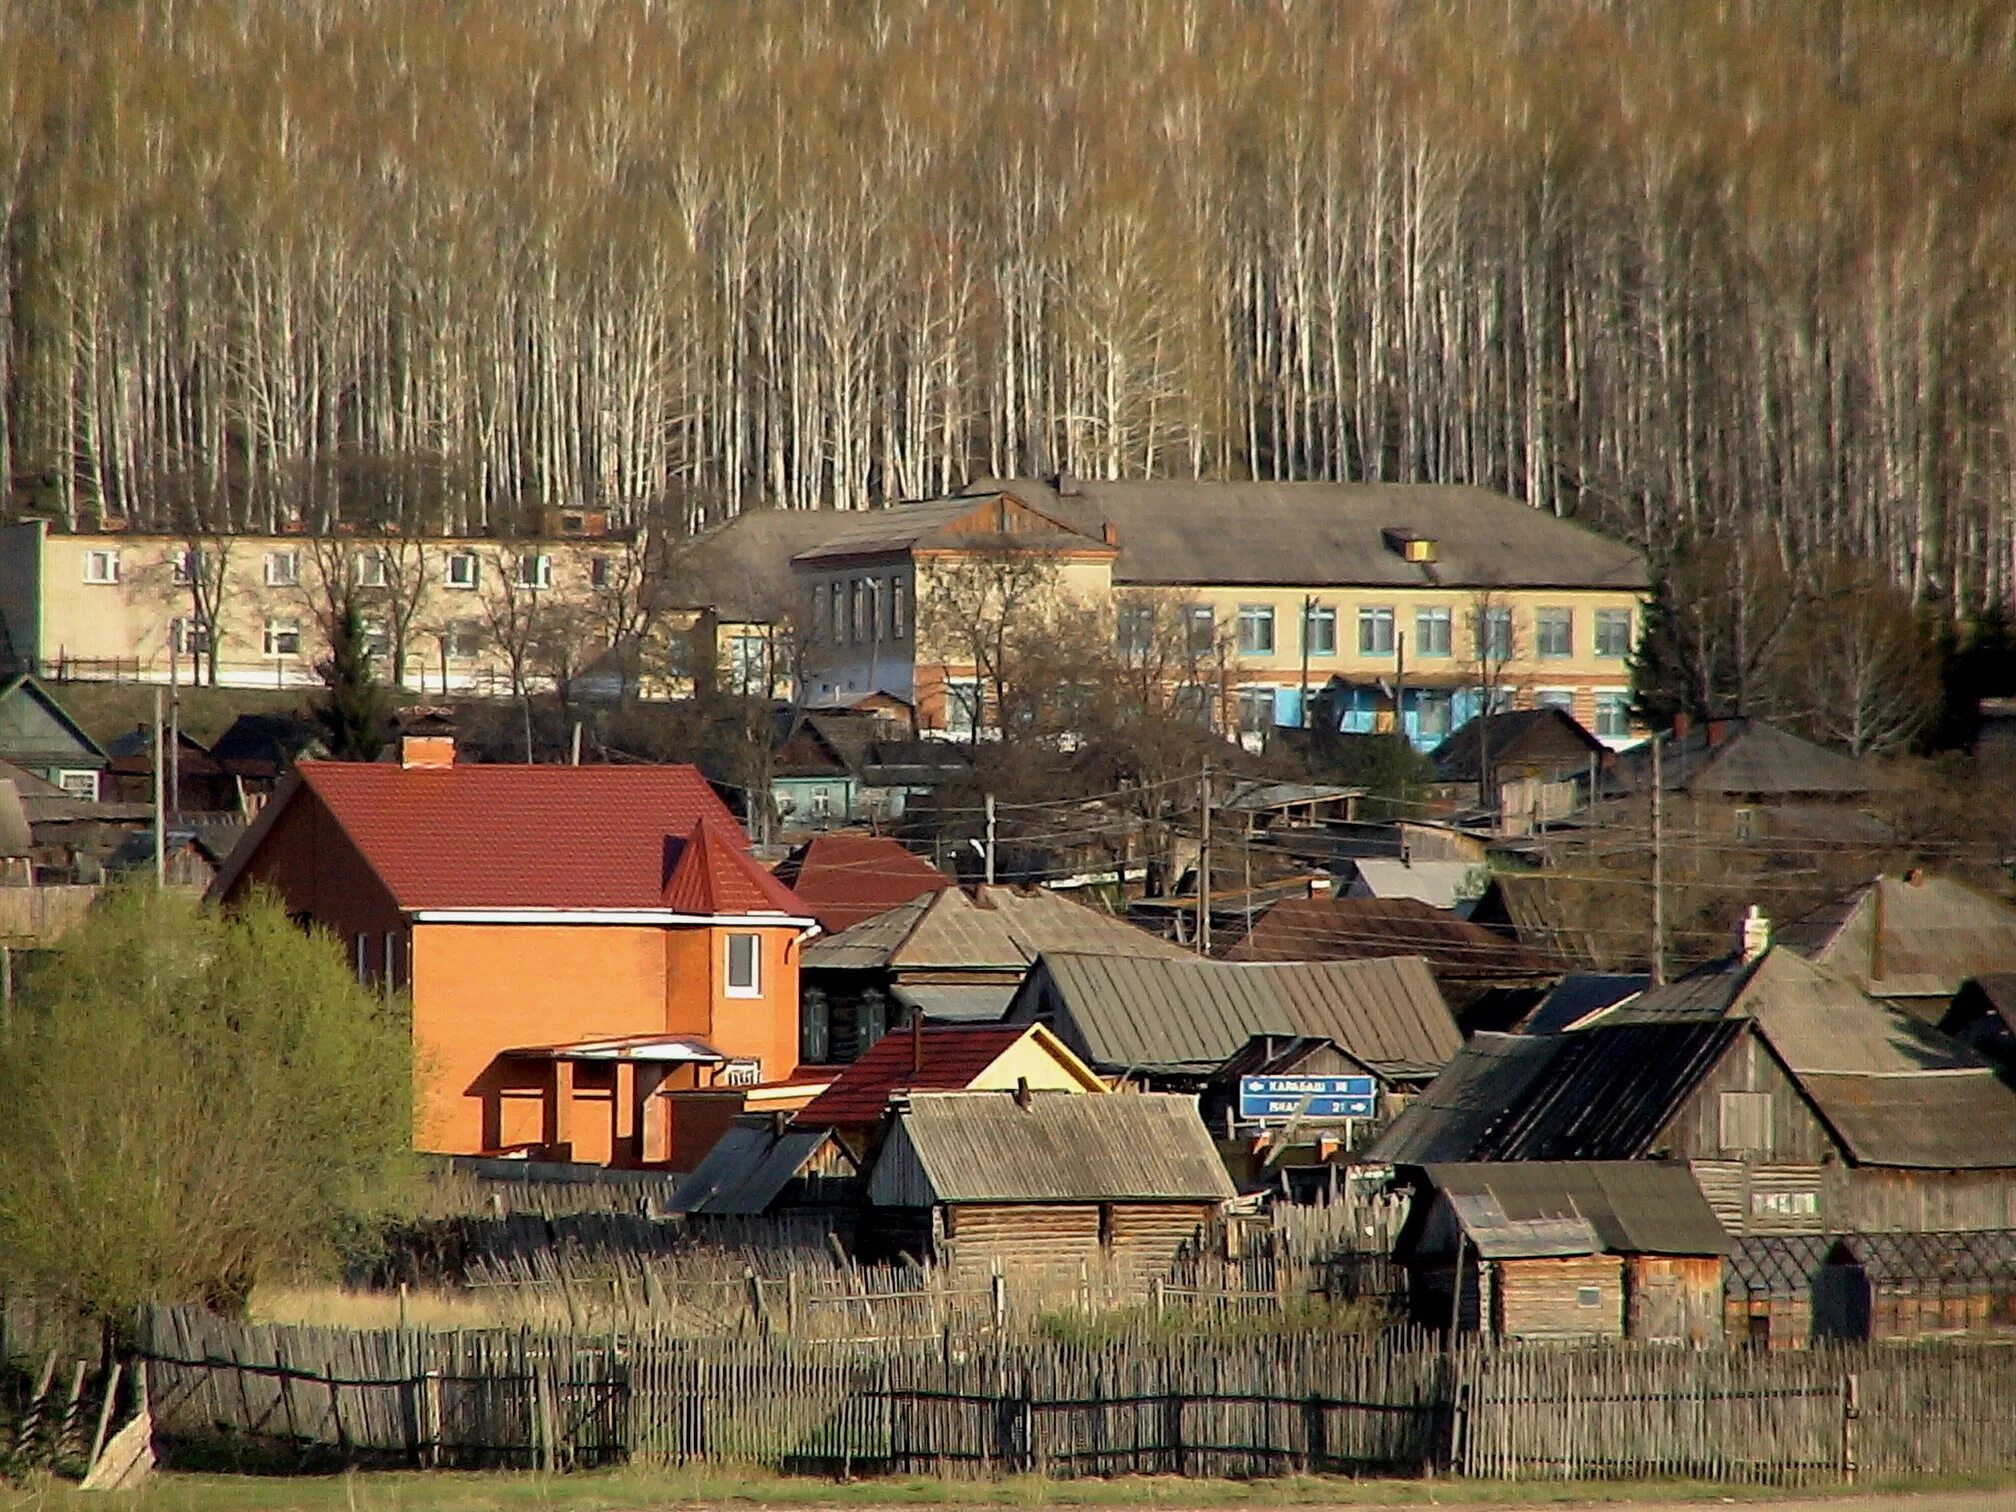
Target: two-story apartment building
{"points": [[1419, 602]]}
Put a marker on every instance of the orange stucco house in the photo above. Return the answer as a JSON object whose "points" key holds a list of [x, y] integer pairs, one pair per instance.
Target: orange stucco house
{"points": [[576, 941]]}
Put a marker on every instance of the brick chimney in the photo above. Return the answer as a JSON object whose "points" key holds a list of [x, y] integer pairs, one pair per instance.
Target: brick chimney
{"points": [[1322, 887], [425, 752], [1109, 533]]}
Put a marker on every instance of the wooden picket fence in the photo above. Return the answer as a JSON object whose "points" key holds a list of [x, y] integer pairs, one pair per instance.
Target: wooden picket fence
{"points": [[1196, 1405]]}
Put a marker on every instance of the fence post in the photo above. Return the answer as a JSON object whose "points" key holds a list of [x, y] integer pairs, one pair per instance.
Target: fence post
{"points": [[997, 1291], [1851, 1413], [430, 1406], [104, 1414]]}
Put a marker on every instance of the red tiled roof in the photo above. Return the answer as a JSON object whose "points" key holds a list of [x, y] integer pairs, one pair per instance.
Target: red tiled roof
{"points": [[843, 879], [715, 874], [481, 836], [951, 1057]]}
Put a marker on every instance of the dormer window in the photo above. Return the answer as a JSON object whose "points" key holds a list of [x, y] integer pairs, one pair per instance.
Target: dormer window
{"points": [[1409, 544]]}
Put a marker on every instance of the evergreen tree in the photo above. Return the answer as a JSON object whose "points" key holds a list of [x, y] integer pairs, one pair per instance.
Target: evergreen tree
{"points": [[352, 713]]}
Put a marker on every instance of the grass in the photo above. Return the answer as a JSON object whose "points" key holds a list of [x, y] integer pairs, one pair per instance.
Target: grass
{"points": [[633, 1490], [108, 710]]}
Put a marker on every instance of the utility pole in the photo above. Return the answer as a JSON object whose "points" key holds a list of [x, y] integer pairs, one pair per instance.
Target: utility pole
{"points": [[174, 733], [1204, 861], [160, 817], [1308, 614], [1400, 684], [990, 839], [1658, 862]]}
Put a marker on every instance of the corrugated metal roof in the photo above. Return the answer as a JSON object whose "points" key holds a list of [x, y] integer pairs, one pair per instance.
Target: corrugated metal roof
{"points": [[1130, 1013], [749, 1167], [986, 1147], [1634, 1207], [1578, 995], [1495, 1236], [986, 929], [1440, 883]]}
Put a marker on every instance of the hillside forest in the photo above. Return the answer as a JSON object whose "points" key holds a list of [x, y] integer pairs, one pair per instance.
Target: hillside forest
{"points": [[1723, 271]]}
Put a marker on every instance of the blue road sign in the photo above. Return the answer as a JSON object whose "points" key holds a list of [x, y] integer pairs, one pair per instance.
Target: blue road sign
{"points": [[1270, 1098]]}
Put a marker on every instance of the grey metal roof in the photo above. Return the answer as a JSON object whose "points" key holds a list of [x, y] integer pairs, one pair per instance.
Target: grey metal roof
{"points": [[986, 928], [741, 568], [1325, 534], [1951, 1121], [748, 1168], [1633, 1207], [1183, 1012], [987, 1147], [1579, 994], [1917, 936], [957, 1002]]}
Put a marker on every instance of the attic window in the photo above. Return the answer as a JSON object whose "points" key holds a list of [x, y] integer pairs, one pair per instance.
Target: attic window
{"points": [[1409, 544]]}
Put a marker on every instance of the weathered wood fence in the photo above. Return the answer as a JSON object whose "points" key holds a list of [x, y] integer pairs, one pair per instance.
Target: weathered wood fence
{"points": [[1190, 1406]]}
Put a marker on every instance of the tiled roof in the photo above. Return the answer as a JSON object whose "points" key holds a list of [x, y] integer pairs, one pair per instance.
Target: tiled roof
{"points": [[950, 1058], [478, 836], [714, 873], [844, 879]]}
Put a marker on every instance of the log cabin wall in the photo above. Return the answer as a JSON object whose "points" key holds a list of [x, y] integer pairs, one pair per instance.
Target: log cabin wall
{"points": [[1556, 1299]]}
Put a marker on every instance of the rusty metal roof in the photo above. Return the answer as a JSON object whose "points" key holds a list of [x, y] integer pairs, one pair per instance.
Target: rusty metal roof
{"points": [[987, 1147], [1349, 929], [1185, 1013]]}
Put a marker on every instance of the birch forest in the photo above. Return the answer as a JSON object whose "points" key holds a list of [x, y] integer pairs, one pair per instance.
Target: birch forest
{"points": [[1684, 269]]}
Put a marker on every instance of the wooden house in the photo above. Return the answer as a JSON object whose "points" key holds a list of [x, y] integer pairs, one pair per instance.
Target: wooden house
{"points": [[1983, 1018], [1044, 1183], [38, 734], [1911, 940], [1565, 1252]]}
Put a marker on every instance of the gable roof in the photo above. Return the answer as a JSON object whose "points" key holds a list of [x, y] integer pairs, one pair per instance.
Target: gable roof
{"points": [[986, 1147], [1634, 1207], [1517, 737], [1182, 1013], [35, 727], [1912, 936], [713, 873], [974, 523], [265, 741], [1352, 929], [510, 837], [1579, 994], [751, 1164], [1440, 883], [741, 568], [1322, 534], [950, 1058], [1738, 758], [988, 928], [843, 879]]}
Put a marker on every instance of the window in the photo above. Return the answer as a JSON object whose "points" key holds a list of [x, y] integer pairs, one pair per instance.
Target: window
{"points": [[962, 705], [101, 566], [1433, 714], [1745, 823], [745, 965], [601, 574], [1494, 635], [79, 784], [822, 803], [1746, 1122], [183, 565], [1192, 704], [1375, 631], [898, 610], [1613, 713], [1588, 1296], [815, 1027], [1555, 698], [188, 636], [1613, 632], [871, 1021], [371, 568], [283, 569], [1319, 630], [1134, 629], [1200, 629], [461, 570], [1432, 631], [464, 638], [749, 663], [838, 594], [377, 640], [533, 570], [1785, 1204], [866, 623], [1554, 632], [283, 638], [1256, 630], [1256, 711]]}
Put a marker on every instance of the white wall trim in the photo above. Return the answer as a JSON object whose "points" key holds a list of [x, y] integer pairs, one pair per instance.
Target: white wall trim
{"points": [[605, 916]]}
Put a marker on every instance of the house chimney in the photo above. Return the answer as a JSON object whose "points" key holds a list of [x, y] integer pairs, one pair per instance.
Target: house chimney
{"points": [[1682, 723], [1109, 533], [1915, 877], [1322, 887], [1756, 934], [426, 751], [1067, 486], [1024, 1098]]}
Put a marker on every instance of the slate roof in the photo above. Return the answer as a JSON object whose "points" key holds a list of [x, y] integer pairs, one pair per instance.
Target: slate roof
{"points": [[1786, 1265], [1183, 1013], [1739, 758], [749, 1167], [985, 1147], [843, 879], [951, 1057], [74, 747], [988, 928], [1326, 534], [740, 568], [942, 523], [1910, 936], [1351, 929], [507, 837], [1440, 883], [1515, 738], [713, 873], [1630, 1207]]}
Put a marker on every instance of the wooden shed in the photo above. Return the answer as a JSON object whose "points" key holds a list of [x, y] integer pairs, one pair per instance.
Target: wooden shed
{"points": [[1035, 1182], [1565, 1251]]}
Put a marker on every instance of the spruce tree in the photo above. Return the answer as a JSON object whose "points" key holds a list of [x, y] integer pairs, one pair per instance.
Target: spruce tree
{"points": [[352, 713]]}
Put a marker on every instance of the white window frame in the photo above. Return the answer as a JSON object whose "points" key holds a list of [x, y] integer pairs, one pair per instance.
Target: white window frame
{"points": [[371, 568], [1254, 620], [1555, 698], [465, 640], [1134, 628], [276, 631], [1323, 616], [101, 566], [1248, 698], [283, 569], [182, 566], [753, 988], [962, 693], [78, 782], [542, 571], [1612, 698], [462, 570]]}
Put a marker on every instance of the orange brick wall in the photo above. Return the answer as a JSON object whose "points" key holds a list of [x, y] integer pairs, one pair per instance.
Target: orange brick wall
{"points": [[697, 1001]]}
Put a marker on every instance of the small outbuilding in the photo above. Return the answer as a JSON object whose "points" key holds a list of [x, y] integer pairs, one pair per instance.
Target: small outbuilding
{"points": [[765, 1166], [1045, 1182], [1559, 1251]]}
